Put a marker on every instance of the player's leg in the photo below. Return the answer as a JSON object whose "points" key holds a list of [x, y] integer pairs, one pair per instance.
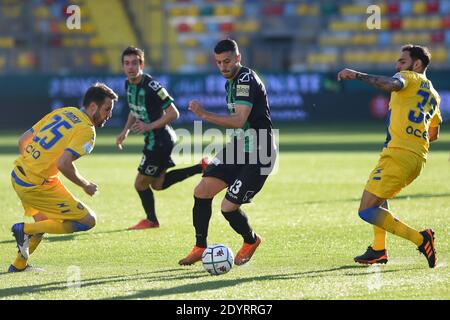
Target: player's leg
{"points": [[371, 211], [174, 176], [20, 263], [142, 185], [151, 172], [203, 195], [379, 235], [247, 184], [65, 213], [376, 253]]}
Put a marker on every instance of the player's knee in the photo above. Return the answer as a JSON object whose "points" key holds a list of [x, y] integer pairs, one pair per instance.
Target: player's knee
{"points": [[140, 185], [157, 186], [90, 220], [368, 214], [202, 192], [228, 206]]}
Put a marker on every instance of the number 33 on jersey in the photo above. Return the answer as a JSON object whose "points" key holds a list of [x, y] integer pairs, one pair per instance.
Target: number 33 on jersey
{"points": [[412, 111]]}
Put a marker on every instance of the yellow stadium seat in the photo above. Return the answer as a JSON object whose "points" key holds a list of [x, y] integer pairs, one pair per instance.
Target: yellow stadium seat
{"points": [[198, 27], [94, 42], [7, 42], [235, 11], [192, 11], [201, 59], [97, 59], [220, 11], [42, 12], [439, 54], [352, 10], [190, 42], [419, 7], [2, 62], [176, 12], [302, 9]]}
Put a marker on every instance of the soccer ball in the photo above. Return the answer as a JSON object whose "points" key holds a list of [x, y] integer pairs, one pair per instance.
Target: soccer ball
{"points": [[217, 259]]}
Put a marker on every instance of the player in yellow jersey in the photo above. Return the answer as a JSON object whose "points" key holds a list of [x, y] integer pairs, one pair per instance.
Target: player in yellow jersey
{"points": [[49, 147], [412, 122]]}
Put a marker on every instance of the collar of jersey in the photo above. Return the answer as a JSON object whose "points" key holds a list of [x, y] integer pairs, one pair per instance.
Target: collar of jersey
{"points": [[83, 112]]}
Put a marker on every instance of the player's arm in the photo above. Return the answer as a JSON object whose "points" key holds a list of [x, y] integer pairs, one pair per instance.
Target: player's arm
{"points": [[126, 130], [234, 121], [433, 133], [170, 114], [24, 140], [388, 84], [67, 168]]}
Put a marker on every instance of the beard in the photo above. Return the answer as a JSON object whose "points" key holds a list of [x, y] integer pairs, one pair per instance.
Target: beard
{"points": [[98, 121]]}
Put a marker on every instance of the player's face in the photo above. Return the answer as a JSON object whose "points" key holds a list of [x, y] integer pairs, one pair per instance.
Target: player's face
{"points": [[404, 62], [132, 67], [103, 113], [228, 63]]}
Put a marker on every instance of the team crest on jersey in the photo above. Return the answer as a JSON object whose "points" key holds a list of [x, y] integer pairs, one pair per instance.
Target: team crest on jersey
{"points": [[87, 147], [155, 85], [245, 77]]}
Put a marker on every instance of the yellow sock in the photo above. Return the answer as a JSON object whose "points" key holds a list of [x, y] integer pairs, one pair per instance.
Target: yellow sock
{"points": [[48, 226], [20, 262], [379, 240], [393, 225]]}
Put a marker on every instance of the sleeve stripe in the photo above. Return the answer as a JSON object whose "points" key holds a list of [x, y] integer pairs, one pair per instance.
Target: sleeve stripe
{"points": [[76, 154], [167, 104], [243, 102]]}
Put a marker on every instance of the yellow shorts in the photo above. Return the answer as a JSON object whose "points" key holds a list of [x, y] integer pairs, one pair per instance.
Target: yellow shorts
{"points": [[52, 200], [396, 169]]}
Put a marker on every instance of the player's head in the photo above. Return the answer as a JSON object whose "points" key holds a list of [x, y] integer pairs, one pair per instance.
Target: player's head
{"points": [[98, 102], [413, 58], [133, 62], [228, 58]]}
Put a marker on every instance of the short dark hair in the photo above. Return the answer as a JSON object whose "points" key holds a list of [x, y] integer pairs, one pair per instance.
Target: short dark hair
{"points": [[225, 46], [97, 93], [418, 53], [136, 51]]}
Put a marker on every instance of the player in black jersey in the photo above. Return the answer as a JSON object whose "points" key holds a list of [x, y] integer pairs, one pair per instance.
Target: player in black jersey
{"points": [[244, 163], [152, 110]]}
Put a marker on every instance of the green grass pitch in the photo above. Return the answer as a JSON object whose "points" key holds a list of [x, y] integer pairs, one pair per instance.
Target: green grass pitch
{"points": [[306, 214]]}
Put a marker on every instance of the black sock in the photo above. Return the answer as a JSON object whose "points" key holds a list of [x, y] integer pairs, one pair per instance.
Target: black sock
{"points": [[239, 222], [178, 175], [201, 215], [148, 202]]}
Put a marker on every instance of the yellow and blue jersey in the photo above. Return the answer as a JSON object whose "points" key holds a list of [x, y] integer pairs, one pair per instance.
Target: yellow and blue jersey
{"points": [[412, 111], [65, 129]]}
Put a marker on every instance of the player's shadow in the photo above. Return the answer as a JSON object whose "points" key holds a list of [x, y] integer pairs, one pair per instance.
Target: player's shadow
{"points": [[176, 274], [402, 197], [224, 283], [65, 286], [72, 236]]}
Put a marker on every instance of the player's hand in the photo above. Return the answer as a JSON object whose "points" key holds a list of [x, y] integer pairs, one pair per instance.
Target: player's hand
{"points": [[196, 108], [120, 139], [347, 74], [91, 189], [141, 127]]}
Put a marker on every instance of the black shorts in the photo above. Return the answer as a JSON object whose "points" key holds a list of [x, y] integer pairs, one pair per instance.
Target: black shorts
{"points": [[244, 180], [157, 160]]}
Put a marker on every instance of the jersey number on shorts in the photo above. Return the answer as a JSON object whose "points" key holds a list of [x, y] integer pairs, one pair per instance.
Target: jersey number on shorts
{"points": [[236, 186], [54, 127]]}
